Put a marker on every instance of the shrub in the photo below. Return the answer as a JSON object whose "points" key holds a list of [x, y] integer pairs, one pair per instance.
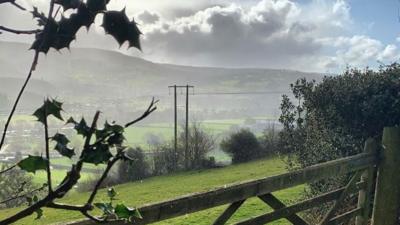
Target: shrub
{"points": [[136, 169], [334, 118], [242, 146]]}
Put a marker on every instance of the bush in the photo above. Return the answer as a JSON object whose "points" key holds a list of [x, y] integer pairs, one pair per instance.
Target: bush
{"points": [[334, 118], [135, 169], [13, 184], [165, 159], [242, 146]]}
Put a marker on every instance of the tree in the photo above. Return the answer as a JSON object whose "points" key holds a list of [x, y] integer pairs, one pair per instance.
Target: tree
{"points": [[242, 146], [101, 146], [334, 118], [200, 143]]}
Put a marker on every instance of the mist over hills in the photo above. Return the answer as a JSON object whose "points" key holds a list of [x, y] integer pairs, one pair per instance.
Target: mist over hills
{"points": [[93, 75]]}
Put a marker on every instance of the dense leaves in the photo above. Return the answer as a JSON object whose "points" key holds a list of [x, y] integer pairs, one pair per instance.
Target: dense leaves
{"points": [[242, 146], [117, 24], [50, 107], [33, 164], [97, 154]]}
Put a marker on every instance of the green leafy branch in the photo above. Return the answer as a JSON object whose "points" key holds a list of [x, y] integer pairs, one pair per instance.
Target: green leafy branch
{"points": [[101, 146]]}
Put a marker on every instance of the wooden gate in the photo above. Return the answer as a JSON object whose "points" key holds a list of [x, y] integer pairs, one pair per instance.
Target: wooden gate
{"points": [[361, 167]]}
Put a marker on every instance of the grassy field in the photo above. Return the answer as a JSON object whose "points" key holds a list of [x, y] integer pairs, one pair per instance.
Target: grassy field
{"points": [[57, 176], [165, 187]]}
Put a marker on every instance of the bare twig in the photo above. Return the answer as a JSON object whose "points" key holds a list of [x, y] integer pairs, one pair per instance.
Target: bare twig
{"points": [[149, 110], [10, 30], [22, 195], [33, 66], [8, 169], [103, 176], [46, 139]]}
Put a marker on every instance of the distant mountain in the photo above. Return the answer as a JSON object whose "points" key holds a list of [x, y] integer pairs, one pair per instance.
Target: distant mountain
{"points": [[99, 74]]}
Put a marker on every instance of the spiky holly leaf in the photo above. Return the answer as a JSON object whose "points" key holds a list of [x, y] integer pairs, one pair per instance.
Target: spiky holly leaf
{"points": [[106, 208], [111, 193], [84, 16], [81, 128], [97, 154], [68, 4], [39, 213], [62, 145], [126, 213], [44, 40], [117, 24], [50, 107], [97, 5], [33, 163], [40, 16], [113, 132], [116, 139], [66, 32]]}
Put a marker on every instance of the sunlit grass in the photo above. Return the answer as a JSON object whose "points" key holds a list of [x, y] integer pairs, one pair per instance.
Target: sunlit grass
{"points": [[170, 186]]}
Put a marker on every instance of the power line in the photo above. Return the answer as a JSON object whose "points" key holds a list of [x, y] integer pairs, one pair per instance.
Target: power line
{"points": [[244, 93]]}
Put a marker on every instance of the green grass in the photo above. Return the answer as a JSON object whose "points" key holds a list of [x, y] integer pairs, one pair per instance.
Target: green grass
{"points": [[57, 176], [170, 186]]}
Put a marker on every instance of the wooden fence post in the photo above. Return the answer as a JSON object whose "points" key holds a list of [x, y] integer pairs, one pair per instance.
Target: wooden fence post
{"points": [[387, 192], [364, 195]]}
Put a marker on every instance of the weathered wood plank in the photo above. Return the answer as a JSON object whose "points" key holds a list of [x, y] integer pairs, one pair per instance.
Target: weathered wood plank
{"points": [[345, 216], [276, 204], [290, 210], [226, 215], [387, 192], [364, 196], [351, 186], [236, 192]]}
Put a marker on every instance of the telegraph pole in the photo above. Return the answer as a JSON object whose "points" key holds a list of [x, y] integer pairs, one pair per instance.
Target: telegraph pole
{"points": [[187, 87]]}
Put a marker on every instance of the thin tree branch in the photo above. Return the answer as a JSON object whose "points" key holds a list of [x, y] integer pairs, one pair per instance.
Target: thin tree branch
{"points": [[149, 110], [46, 139], [10, 30], [33, 66], [8, 169], [103, 177], [22, 195], [85, 213]]}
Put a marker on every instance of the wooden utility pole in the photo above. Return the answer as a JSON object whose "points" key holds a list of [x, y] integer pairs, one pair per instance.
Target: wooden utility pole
{"points": [[187, 87]]}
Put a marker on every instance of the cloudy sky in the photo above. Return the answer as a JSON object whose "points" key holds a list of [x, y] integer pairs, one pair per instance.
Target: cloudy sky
{"points": [[308, 35]]}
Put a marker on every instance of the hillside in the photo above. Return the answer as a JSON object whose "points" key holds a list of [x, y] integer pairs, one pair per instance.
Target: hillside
{"points": [[164, 187], [101, 75]]}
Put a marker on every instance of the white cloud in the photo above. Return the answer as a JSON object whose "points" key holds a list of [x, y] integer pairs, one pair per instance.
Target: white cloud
{"points": [[313, 36]]}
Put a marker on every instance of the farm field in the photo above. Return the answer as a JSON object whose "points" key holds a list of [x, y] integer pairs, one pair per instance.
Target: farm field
{"points": [[164, 187]]}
